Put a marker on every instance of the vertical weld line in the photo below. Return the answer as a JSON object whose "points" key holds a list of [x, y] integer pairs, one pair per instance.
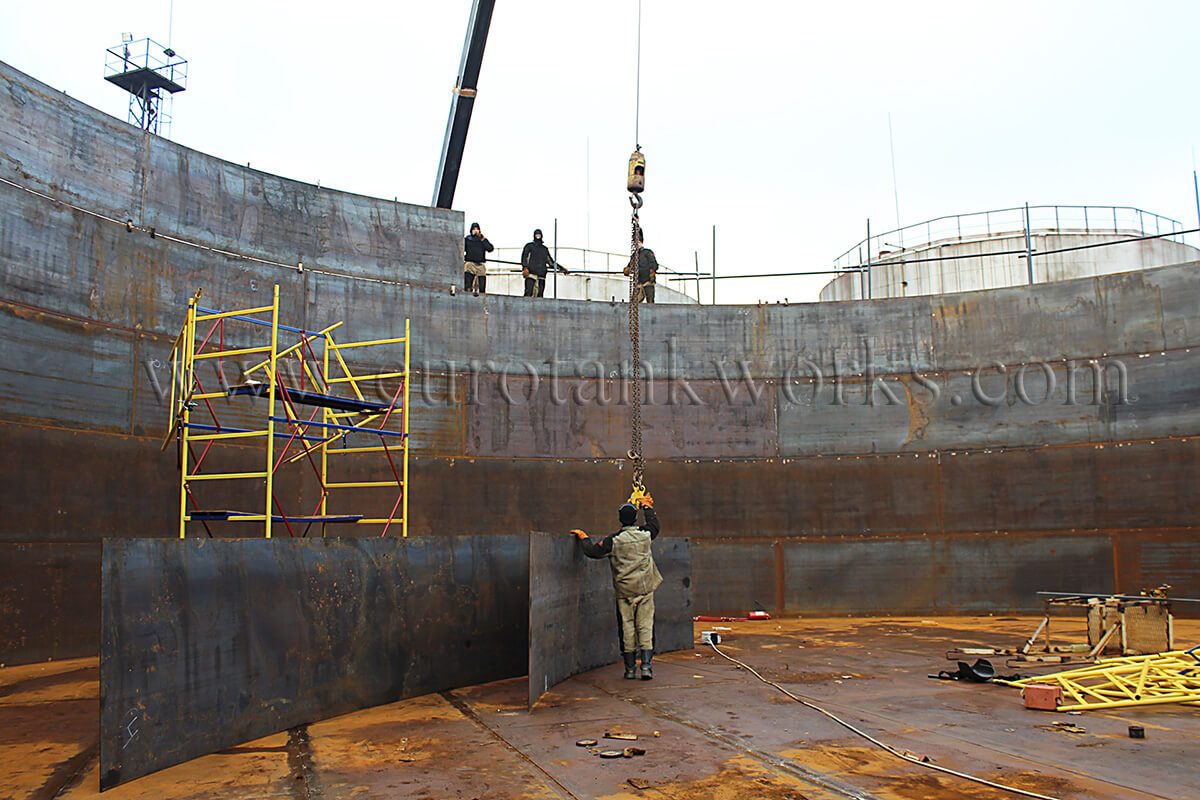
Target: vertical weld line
{"points": [[1115, 538], [780, 575], [133, 384]]}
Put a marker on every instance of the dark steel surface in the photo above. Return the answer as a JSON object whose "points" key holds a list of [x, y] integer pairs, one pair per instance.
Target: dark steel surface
{"points": [[573, 625], [49, 596], [1096, 492], [207, 644]]}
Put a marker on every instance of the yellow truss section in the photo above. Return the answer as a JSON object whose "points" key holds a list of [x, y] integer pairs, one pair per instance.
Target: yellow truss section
{"points": [[1172, 677]]}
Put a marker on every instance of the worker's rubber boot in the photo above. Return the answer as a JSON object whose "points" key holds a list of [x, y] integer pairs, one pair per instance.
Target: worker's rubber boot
{"points": [[647, 672], [630, 666]]}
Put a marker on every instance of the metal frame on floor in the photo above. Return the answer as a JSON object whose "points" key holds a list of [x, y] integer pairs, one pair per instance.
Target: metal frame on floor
{"points": [[315, 436], [1172, 677]]}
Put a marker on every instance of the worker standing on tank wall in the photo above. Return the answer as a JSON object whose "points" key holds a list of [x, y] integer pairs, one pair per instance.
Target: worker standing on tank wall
{"points": [[635, 577], [647, 271], [535, 259], [475, 250]]}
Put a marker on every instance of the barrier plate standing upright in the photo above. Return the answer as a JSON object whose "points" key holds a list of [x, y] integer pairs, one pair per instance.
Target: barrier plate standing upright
{"points": [[573, 624]]}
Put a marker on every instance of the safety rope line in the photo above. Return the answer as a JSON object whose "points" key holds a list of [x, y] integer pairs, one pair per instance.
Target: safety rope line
{"points": [[876, 742], [635, 336]]}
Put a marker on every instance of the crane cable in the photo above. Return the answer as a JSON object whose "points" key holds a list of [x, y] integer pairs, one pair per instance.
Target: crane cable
{"points": [[874, 741], [635, 247]]}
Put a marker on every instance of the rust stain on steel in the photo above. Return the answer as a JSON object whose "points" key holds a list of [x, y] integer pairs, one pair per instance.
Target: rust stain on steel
{"points": [[578, 418]]}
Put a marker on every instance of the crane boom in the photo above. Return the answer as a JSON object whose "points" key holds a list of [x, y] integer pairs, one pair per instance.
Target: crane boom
{"points": [[460, 106]]}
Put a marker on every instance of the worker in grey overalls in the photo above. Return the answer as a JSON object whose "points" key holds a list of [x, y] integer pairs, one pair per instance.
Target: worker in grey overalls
{"points": [[635, 577]]}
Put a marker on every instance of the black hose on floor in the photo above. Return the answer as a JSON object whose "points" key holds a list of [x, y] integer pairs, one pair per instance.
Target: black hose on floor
{"points": [[876, 742]]}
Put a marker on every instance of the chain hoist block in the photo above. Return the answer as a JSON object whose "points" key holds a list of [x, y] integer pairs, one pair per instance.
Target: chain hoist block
{"points": [[637, 172]]}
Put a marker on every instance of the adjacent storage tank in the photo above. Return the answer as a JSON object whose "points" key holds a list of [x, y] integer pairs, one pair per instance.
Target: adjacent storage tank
{"points": [[987, 250]]}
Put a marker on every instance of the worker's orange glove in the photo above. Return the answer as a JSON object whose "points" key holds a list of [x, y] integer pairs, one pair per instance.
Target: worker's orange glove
{"points": [[579, 534], [524, 273], [646, 501]]}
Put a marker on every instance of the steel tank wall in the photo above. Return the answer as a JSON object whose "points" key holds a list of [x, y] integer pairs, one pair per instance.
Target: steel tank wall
{"points": [[932, 454]]}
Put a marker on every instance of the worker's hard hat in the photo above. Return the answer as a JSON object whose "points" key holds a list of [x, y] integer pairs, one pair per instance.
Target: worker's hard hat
{"points": [[628, 513]]}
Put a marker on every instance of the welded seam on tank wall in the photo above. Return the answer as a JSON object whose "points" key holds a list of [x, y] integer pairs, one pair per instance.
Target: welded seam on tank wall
{"points": [[850, 380], [40, 424], [939, 535]]}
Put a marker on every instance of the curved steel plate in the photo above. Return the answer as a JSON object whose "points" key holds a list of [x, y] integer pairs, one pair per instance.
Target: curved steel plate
{"points": [[572, 609]]}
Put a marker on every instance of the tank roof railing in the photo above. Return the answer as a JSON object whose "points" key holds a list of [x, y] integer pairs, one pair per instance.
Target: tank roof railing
{"points": [[1006, 221], [614, 264]]}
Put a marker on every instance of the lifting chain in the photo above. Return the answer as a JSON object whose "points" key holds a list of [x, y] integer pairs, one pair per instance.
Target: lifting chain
{"points": [[635, 394]]}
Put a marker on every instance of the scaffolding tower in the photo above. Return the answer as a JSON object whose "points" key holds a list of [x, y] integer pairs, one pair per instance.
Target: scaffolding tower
{"points": [[315, 436]]}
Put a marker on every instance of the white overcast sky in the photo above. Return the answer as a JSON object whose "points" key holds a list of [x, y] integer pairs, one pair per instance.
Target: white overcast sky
{"points": [[767, 119]]}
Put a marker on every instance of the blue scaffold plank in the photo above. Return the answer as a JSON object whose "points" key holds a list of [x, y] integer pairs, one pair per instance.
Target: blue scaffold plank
{"points": [[308, 398], [265, 322], [278, 434]]}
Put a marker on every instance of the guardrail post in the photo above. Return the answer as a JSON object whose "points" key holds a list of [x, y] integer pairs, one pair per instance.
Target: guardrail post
{"points": [[714, 269], [1028, 248], [868, 258]]}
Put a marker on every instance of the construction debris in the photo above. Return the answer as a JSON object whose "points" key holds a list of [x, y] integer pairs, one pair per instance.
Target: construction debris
{"points": [[1063, 727], [628, 752], [1118, 624], [1172, 677]]}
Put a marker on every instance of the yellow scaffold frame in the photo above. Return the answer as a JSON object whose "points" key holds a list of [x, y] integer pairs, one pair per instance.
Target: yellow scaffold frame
{"points": [[1172, 677], [340, 416]]}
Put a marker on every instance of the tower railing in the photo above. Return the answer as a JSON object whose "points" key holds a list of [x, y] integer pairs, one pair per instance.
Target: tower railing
{"points": [[1010, 221]]}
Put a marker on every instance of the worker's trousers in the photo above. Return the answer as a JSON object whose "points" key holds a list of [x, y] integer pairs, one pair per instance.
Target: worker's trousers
{"points": [[475, 276], [535, 286], [637, 622]]}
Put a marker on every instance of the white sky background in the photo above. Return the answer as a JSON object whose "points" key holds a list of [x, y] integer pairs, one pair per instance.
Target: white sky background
{"points": [[768, 119]]}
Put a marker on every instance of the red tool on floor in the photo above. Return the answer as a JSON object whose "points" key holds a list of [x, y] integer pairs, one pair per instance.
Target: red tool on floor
{"points": [[753, 615]]}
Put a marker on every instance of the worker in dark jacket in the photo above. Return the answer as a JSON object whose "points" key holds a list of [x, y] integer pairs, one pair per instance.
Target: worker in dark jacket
{"points": [[647, 271], [635, 577], [535, 258], [475, 250]]}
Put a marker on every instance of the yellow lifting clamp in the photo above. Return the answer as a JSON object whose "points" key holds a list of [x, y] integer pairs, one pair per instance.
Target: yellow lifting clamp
{"points": [[640, 497]]}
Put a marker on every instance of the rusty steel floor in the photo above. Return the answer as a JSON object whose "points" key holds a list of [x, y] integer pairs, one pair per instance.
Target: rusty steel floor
{"points": [[721, 733]]}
